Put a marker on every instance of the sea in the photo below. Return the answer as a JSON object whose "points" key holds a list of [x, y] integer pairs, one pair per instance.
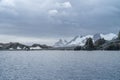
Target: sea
{"points": [[59, 65]]}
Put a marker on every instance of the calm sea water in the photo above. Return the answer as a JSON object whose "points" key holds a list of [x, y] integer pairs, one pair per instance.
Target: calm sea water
{"points": [[59, 65]]}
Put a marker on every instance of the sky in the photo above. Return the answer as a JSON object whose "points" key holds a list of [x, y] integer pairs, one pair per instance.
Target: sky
{"points": [[45, 21]]}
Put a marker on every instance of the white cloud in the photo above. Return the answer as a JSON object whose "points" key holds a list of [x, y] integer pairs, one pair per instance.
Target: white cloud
{"points": [[7, 3], [59, 8], [53, 12], [8, 6], [64, 5], [32, 7], [23, 7]]}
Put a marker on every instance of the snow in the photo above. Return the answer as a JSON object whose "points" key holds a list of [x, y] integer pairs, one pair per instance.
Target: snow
{"points": [[109, 36], [60, 43], [35, 47], [18, 47], [11, 48], [81, 40], [96, 37]]}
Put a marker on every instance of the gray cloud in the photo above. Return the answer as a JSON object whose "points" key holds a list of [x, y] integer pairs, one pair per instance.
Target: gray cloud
{"points": [[58, 18]]}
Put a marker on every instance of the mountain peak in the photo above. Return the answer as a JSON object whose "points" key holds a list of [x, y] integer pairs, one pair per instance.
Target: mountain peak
{"points": [[60, 43], [96, 36], [81, 40], [109, 36], [78, 40]]}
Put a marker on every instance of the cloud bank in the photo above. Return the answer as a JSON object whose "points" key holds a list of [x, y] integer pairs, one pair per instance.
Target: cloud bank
{"points": [[58, 18]]}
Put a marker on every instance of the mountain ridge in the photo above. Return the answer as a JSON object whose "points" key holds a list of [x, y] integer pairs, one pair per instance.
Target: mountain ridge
{"points": [[81, 40]]}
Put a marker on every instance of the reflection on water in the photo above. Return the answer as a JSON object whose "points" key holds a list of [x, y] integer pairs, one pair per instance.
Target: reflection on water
{"points": [[60, 65]]}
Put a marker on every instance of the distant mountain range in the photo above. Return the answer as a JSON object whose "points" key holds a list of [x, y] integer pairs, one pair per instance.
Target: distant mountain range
{"points": [[109, 41], [81, 40]]}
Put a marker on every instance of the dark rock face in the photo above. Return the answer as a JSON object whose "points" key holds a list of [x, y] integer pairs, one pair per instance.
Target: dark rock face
{"points": [[111, 45], [13, 46], [119, 35], [19, 46], [99, 42], [35, 45], [41, 46], [89, 44]]}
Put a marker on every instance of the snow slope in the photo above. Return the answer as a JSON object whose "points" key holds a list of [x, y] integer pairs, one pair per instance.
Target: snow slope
{"points": [[81, 40], [60, 43]]}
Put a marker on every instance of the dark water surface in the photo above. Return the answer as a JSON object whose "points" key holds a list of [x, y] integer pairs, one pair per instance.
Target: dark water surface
{"points": [[59, 65]]}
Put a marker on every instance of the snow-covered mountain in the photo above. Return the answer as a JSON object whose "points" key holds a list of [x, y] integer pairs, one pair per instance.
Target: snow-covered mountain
{"points": [[60, 43], [108, 37], [78, 40], [81, 40]]}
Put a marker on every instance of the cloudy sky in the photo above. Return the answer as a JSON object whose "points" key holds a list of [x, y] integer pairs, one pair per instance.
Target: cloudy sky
{"points": [[44, 21]]}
